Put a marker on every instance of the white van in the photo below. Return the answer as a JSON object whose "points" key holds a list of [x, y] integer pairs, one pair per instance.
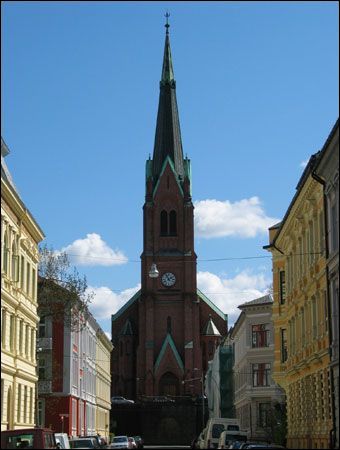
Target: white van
{"points": [[228, 437], [62, 440], [215, 427]]}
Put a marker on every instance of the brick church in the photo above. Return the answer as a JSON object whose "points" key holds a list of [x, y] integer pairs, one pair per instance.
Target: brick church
{"points": [[168, 331]]}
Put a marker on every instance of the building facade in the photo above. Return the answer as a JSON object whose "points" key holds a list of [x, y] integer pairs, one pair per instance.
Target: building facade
{"points": [[255, 391], [328, 170], [159, 334], [103, 383], [301, 315], [69, 355], [20, 236]]}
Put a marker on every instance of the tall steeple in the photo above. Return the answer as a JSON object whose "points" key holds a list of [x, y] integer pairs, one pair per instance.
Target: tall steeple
{"points": [[168, 140]]}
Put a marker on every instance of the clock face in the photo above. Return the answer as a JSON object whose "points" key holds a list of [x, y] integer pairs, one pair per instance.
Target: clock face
{"points": [[168, 279]]}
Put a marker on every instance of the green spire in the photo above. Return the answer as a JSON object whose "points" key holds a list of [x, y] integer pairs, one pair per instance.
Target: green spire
{"points": [[167, 70]]}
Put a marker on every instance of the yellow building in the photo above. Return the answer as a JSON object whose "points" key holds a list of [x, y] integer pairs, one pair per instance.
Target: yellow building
{"points": [[103, 384], [300, 315], [20, 235]]}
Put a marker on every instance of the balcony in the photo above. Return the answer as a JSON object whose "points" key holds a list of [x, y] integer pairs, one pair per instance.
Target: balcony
{"points": [[44, 343], [44, 386]]}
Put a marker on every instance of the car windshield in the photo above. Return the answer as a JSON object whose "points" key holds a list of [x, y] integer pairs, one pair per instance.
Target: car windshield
{"points": [[217, 429], [20, 441], [81, 443], [119, 439]]}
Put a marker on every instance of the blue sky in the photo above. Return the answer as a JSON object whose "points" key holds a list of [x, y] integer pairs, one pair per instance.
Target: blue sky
{"points": [[257, 91]]}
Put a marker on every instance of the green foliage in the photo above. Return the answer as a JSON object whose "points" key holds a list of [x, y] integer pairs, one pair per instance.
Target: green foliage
{"points": [[62, 292]]}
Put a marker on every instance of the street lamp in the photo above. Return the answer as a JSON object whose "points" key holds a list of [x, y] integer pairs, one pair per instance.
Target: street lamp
{"points": [[153, 273]]}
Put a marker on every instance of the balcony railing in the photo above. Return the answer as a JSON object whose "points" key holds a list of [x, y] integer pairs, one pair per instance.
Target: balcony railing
{"points": [[44, 343], [44, 386]]}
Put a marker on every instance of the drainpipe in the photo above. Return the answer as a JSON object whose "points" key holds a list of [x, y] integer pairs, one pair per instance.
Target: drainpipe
{"points": [[330, 333]]}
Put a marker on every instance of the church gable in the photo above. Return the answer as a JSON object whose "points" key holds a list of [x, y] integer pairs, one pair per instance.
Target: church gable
{"points": [[168, 179], [168, 357]]}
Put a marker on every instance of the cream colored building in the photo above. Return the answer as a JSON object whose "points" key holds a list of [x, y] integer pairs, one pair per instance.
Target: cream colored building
{"points": [[20, 235], [301, 314], [103, 383]]}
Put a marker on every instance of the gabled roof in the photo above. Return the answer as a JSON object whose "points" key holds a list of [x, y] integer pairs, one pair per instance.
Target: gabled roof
{"points": [[212, 306], [167, 161], [210, 328], [168, 341], [266, 299], [126, 306]]}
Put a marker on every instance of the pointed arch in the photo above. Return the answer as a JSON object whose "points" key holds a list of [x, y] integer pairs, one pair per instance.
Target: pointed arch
{"points": [[164, 223], [169, 384], [173, 223]]}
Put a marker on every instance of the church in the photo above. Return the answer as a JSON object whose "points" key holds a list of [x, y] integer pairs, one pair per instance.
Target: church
{"points": [[167, 332]]}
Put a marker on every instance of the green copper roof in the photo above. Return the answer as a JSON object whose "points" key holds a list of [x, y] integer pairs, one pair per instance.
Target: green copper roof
{"points": [[214, 307], [169, 341], [169, 161], [168, 139], [167, 69], [125, 307]]}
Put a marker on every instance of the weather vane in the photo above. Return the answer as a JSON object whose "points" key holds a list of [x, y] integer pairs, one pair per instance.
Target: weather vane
{"points": [[167, 15]]}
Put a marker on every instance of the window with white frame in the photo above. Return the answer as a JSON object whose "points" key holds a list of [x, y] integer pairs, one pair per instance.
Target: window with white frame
{"points": [[261, 374], [260, 335]]}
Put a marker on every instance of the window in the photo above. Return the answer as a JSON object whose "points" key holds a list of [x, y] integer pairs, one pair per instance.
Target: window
{"points": [[28, 278], [260, 335], [164, 223], [5, 253], [25, 404], [22, 273], [173, 223], [15, 259], [282, 287], [19, 404], [42, 368], [41, 413], [11, 332], [34, 284], [314, 318], [31, 405], [27, 349], [284, 349], [334, 229], [32, 343], [3, 327], [42, 327], [264, 414], [261, 374], [21, 332]]}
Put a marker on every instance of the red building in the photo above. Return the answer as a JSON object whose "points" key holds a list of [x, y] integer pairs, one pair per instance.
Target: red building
{"points": [[167, 332], [66, 357]]}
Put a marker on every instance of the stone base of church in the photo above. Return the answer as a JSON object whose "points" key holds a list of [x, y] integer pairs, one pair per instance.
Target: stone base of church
{"points": [[157, 422]]}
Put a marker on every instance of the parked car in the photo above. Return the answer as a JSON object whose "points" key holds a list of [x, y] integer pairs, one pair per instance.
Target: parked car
{"points": [[120, 400], [84, 442], [163, 399], [62, 440], [227, 438], [28, 438], [119, 442], [139, 441], [131, 442], [101, 441]]}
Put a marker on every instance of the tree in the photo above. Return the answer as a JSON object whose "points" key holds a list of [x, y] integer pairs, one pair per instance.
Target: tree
{"points": [[62, 292], [276, 429]]}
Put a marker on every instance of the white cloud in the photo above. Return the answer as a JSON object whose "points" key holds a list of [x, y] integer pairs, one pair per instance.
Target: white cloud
{"points": [[229, 293], [108, 334], [303, 164], [93, 251], [245, 218], [106, 302]]}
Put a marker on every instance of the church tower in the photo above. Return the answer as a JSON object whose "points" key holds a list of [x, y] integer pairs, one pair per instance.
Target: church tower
{"points": [[169, 317]]}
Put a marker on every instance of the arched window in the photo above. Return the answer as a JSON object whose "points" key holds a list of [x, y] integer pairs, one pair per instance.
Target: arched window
{"points": [[15, 258], [169, 384], [5, 253], [168, 324], [164, 223], [173, 223]]}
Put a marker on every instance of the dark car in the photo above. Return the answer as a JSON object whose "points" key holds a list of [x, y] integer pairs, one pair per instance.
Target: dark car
{"points": [[28, 438], [139, 441], [101, 441]]}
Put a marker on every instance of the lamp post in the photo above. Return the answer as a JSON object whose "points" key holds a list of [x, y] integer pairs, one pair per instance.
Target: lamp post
{"points": [[202, 386]]}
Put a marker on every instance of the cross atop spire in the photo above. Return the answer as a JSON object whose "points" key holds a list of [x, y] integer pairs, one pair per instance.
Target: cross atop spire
{"points": [[167, 15]]}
